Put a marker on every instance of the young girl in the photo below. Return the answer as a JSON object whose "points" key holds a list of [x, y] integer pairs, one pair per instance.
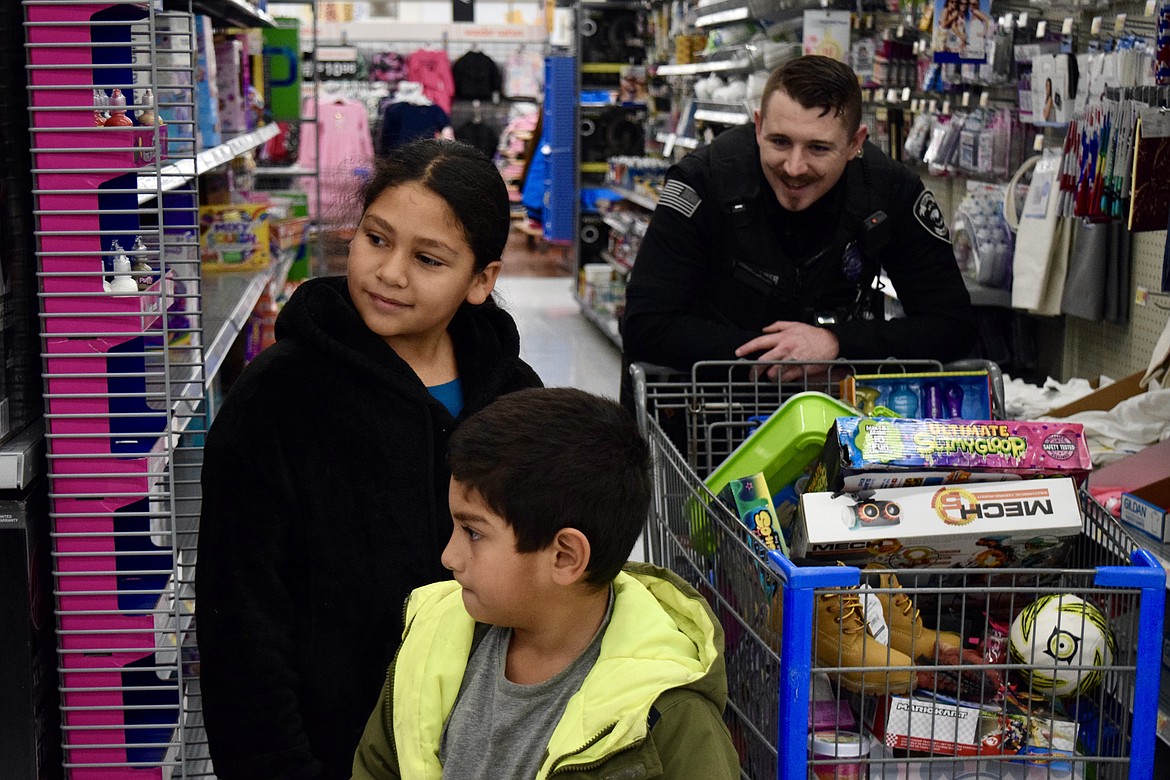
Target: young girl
{"points": [[324, 477]]}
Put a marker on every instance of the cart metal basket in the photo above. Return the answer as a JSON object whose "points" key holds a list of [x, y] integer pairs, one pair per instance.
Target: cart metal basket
{"points": [[773, 612]]}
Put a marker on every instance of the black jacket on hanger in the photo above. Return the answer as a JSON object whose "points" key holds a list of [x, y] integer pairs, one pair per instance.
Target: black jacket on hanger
{"points": [[479, 135], [324, 504], [476, 76]]}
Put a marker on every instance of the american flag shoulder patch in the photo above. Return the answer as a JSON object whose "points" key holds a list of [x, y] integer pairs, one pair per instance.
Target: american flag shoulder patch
{"points": [[680, 197]]}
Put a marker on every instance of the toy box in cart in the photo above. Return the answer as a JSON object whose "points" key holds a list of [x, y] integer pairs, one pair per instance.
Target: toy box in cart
{"points": [[924, 724], [863, 453], [937, 395], [978, 524]]}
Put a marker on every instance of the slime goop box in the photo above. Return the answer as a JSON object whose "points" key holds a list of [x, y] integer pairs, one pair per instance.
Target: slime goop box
{"points": [[863, 453]]}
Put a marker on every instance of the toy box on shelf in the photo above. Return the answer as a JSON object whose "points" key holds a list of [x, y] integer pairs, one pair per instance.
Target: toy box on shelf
{"points": [[234, 237]]}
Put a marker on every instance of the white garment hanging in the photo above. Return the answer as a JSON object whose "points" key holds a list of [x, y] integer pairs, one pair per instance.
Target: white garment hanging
{"points": [[411, 92]]}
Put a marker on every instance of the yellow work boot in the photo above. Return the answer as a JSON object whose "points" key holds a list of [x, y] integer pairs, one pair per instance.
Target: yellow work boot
{"points": [[843, 640], [906, 630]]}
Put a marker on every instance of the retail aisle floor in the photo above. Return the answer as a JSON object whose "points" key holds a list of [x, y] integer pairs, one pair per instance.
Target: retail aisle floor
{"points": [[536, 287], [563, 348]]}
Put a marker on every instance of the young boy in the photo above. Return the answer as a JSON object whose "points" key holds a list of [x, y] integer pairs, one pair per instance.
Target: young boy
{"points": [[545, 653]]}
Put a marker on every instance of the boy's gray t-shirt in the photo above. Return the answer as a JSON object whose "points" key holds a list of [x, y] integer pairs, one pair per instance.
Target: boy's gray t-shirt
{"points": [[500, 729]]}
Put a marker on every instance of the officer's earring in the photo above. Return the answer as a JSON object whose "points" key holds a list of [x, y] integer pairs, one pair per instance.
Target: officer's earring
{"points": [[860, 152]]}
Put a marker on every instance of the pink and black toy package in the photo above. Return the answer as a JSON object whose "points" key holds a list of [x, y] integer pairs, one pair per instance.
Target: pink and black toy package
{"points": [[868, 453]]}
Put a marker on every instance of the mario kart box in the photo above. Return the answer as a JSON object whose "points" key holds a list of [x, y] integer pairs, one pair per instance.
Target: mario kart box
{"points": [[927, 725], [867, 453], [975, 525]]}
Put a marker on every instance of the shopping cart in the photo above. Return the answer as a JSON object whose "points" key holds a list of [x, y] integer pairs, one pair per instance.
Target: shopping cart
{"points": [[773, 611]]}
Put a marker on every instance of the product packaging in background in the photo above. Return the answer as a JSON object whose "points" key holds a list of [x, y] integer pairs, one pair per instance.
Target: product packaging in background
{"points": [[233, 78], [234, 237], [206, 86], [863, 453], [826, 32], [938, 395], [282, 50], [976, 525]]}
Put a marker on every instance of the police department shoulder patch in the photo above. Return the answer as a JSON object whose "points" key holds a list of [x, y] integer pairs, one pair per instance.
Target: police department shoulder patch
{"points": [[929, 215], [680, 197]]}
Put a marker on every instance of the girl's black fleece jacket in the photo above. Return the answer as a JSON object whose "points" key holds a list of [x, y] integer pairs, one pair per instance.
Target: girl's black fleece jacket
{"points": [[324, 504]]}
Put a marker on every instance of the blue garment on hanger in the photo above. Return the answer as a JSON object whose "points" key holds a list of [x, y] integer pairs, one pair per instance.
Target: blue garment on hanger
{"points": [[535, 186]]}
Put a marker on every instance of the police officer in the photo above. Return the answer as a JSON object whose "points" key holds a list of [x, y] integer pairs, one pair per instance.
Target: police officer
{"points": [[765, 244]]}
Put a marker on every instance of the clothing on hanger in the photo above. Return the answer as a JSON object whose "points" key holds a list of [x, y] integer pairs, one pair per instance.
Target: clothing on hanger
{"points": [[477, 76], [404, 121], [523, 74], [432, 69], [411, 92], [481, 136], [346, 154], [387, 66]]}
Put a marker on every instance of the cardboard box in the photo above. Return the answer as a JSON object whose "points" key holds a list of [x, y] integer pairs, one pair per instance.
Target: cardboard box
{"points": [[1144, 480], [289, 233], [234, 237], [1104, 398], [1148, 510], [980, 525], [922, 724], [864, 453]]}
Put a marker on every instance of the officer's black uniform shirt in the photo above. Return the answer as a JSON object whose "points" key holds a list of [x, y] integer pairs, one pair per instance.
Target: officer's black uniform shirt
{"points": [[677, 311]]}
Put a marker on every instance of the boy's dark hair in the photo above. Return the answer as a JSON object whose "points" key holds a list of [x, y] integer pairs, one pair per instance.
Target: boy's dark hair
{"points": [[552, 458], [814, 81], [459, 174]]}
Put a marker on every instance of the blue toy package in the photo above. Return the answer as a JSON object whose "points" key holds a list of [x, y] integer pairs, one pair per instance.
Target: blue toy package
{"points": [[945, 395]]}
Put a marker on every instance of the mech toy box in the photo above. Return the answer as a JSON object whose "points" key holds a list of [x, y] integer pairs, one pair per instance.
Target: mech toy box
{"points": [[863, 453], [977, 524]]}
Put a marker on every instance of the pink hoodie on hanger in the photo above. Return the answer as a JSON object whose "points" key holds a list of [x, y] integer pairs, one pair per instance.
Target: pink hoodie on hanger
{"points": [[432, 69], [347, 156]]}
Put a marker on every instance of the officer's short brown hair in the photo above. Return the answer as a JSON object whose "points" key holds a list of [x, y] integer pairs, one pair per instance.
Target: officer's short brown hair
{"points": [[814, 81]]}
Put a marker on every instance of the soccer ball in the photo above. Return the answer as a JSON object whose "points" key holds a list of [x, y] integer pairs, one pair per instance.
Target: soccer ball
{"points": [[1058, 636]]}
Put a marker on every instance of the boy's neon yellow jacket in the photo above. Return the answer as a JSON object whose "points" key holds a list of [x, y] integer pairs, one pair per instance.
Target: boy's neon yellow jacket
{"points": [[651, 706]]}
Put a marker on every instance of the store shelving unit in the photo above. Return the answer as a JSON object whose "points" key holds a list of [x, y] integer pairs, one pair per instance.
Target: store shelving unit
{"points": [[645, 201], [126, 373], [602, 57], [227, 13]]}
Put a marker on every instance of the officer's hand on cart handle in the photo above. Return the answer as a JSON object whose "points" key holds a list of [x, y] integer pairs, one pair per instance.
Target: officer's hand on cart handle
{"points": [[791, 341]]}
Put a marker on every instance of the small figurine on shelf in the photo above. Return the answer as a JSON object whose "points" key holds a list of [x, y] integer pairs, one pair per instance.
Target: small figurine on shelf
{"points": [[118, 116], [143, 273], [122, 283], [148, 118], [101, 107]]}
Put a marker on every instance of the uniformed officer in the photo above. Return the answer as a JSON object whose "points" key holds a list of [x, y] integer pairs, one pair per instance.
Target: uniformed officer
{"points": [[766, 244]]}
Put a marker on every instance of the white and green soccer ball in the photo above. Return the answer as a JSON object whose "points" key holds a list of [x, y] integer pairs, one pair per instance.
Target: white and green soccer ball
{"points": [[1066, 643]]}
